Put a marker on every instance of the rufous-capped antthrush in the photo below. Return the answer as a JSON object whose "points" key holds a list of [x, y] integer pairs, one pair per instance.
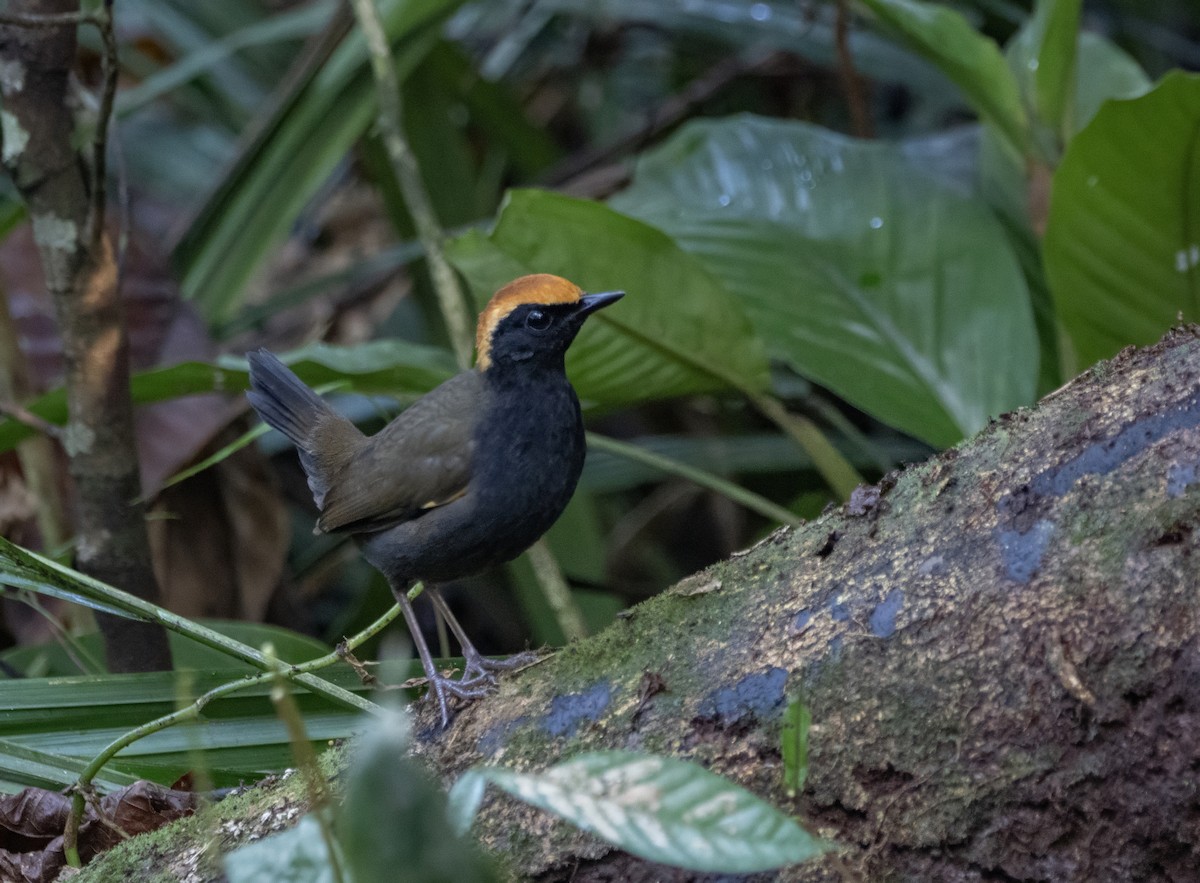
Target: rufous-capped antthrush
{"points": [[469, 476]]}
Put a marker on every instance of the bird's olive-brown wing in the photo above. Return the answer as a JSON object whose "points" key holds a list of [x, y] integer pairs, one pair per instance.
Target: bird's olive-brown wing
{"points": [[419, 461]]}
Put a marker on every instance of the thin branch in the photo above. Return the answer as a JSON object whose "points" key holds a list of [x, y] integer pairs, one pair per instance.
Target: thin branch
{"points": [[49, 20], [451, 298], [715, 483], [852, 82], [27, 418], [558, 594], [108, 95], [675, 108], [275, 670]]}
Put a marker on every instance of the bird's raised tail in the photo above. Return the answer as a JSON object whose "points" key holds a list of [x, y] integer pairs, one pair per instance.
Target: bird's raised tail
{"points": [[324, 438]]}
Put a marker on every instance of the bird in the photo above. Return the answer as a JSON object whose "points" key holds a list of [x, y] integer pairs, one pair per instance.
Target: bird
{"points": [[467, 477]]}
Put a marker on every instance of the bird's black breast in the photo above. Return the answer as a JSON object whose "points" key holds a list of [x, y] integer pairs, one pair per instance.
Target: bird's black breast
{"points": [[528, 455]]}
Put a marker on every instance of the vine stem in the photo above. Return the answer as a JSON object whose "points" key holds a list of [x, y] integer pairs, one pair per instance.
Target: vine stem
{"points": [[451, 298], [275, 671]]}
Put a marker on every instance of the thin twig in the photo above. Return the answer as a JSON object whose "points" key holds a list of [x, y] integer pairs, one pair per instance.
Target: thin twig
{"points": [[451, 298], [27, 418], [49, 20], [111, 68], [558, 594], [715, 483], [852, 82], [192, 712], [306, 758], [674, 109]]}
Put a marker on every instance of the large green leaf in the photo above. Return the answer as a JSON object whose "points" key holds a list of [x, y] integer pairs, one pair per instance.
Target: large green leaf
{"points": [[50, 727], [867, 275], [22, 766], [658, 808], [970, 59], [321, 116], [676, 332], [1122, 246]]}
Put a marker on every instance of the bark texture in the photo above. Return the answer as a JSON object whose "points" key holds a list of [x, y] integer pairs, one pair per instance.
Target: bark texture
{"points": [[1000, 650], [37, 129]]}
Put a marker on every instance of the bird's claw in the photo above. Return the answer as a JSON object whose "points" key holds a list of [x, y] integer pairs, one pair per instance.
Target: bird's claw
{"points": [[479, 667], [443, 689], [476, 681]]}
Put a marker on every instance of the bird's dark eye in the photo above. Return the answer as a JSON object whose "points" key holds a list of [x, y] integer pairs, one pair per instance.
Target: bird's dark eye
{"points": [[536, 320]]}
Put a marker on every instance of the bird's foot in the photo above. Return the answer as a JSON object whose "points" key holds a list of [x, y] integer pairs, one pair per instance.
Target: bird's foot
{"points": [[467, 688], [480, 668]]}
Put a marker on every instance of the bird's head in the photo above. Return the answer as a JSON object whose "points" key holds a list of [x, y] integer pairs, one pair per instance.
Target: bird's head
{"points": [[534, 317]]}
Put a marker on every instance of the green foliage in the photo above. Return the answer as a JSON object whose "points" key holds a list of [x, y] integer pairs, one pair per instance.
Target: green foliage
{"points": [[391, 827], [855, 267], [297, 855], [1123, 238], [393, 366], [970, 59], [678, 331], [393, 822], [51, 727], [328, 109], [793, 745], [657, 808], [1043, 61], [905, 276]]}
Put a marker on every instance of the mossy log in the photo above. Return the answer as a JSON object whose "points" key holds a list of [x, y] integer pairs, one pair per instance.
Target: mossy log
{"points": [[999, 648]]}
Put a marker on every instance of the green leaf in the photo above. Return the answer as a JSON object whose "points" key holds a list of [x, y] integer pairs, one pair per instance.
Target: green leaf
{"points": [[23, 569], [54, 660], [394, 367], [393, 823], [50, 727], [676, 332], [1122, 246], [793, 743], [1064, 99], [315, 124], [23, 766], [1105, 72], [658, 808], [297, 855], [973, 61], [1042, 58], [863, 272], [284, 26]]}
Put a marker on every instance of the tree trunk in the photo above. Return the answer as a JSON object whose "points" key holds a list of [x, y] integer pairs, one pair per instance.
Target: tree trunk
{"points": [[81, 275], [998, 648]]}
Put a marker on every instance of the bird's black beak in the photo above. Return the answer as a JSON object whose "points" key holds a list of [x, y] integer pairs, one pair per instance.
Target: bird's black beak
{"points": [[589, 303]]}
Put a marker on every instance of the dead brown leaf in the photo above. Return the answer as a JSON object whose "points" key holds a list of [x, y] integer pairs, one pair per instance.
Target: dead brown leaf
{"points": [[32, 822]]}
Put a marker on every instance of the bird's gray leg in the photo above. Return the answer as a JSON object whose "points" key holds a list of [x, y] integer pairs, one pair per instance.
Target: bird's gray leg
{"points": [[478, 667], [440, 686]]}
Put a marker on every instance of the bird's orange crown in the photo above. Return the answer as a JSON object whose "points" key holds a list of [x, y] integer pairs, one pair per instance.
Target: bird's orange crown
{"points": [[540, 288]]}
